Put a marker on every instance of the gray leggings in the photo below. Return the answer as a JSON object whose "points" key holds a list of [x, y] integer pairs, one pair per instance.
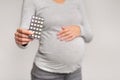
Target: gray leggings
{"points": [[39, 74]]}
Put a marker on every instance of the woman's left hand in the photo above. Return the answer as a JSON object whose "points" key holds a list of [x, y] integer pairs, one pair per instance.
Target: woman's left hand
{"points": [[69, 33]]}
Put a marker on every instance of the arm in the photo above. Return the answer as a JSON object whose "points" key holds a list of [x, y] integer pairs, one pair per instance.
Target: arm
{"points": [[86, 32], [28, 9]]}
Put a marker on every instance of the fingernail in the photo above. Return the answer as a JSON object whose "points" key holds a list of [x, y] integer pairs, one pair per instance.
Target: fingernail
{"points": [[31, 32], [58, 37], [61, 39], [57, 33]]}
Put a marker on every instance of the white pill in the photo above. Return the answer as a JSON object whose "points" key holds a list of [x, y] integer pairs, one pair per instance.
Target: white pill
{"points": [[32, 20], [33, 17], [42, 19], [31, 27], [35, 20], [40, 29], [38, 21], [38, 25], [35, 36], [36, 28], [32, 24], [36, 32], [36, 17], [33, 31], [35, 24], [41, 22], [41, 26], [32, 35], [39, 33], [38, 36], [39, 18]]}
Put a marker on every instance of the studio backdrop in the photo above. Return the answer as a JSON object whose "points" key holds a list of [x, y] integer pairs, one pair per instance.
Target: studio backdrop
{"points": [[102, 57]]}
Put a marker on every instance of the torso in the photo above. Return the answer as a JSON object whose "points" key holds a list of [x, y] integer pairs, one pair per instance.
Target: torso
{"points": [[57, 15]]}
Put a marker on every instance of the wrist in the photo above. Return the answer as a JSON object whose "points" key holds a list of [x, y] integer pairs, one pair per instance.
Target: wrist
{"points": [[24, 44]]}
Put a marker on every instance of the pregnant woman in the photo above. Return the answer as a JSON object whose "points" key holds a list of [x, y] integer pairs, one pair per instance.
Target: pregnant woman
{"points": [[62, 44]]}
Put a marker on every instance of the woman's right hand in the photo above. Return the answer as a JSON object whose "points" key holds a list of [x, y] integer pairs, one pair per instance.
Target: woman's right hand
{"points": [[22, 36]]}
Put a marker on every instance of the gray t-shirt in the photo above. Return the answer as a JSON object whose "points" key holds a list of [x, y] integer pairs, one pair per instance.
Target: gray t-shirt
{"points": [[54, 55]]}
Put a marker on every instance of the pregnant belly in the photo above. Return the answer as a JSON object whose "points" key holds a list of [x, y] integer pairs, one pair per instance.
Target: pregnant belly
{"points": [[62, 52]]}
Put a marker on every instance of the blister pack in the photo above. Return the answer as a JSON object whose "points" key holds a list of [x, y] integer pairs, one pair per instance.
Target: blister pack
{"points": [[36, 26]]}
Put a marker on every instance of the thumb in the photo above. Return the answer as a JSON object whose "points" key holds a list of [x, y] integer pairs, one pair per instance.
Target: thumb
{"points": [[63, 27]]}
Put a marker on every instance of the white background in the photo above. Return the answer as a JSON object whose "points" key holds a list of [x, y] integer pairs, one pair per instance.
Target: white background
{"points": [[102, 58]]}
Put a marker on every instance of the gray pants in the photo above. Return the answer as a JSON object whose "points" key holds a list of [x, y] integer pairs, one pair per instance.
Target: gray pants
{"points": [[39, 74]]}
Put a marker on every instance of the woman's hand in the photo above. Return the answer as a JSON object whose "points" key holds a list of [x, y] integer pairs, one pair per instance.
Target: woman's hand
{"points": [[21, 36], [69, 33]]}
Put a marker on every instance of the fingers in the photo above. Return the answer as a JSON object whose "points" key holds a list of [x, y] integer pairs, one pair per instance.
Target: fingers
{"points": [[68, 33], [24, 31], [21, 43], [69, 38], [62, 31], [22, 39], [65, 35], [21, 36]]}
